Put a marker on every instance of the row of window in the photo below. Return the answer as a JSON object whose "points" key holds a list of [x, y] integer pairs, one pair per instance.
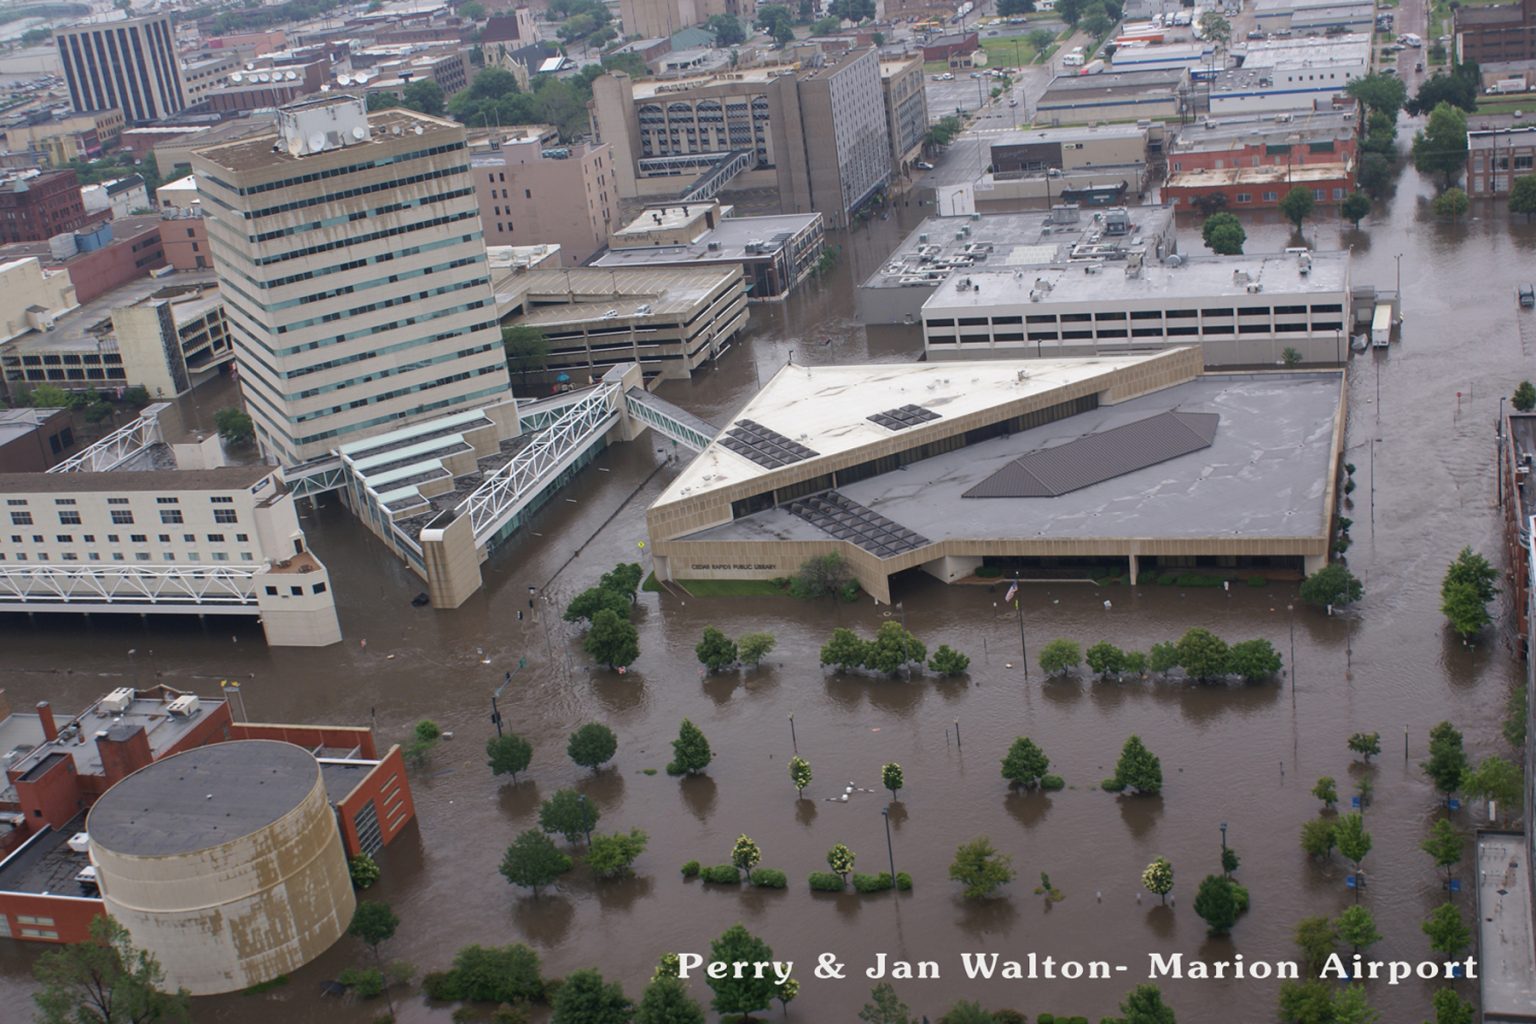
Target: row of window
{"points": [[124, 517], [118, 556], [1222, 312], [354, 216], [337, 172], [133, 538], [1108, 333]]}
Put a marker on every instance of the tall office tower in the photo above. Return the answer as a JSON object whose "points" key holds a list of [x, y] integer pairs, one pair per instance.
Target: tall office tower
{"points": [[349, 250], [130, 65]]}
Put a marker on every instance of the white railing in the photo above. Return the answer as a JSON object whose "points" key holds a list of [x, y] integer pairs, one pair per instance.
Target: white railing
{"points": [[159, 586], [315, 477], [503, 492], [119, 446]]}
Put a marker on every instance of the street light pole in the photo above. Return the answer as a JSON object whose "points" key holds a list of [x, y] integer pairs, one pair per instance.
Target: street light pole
{"points": [[1399, 259], [890, 851]]}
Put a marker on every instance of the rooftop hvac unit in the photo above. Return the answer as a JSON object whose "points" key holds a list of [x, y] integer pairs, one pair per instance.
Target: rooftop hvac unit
{"points": [[1254, 287], [184, 707], [714, 246], [80, 842], [116, 702], [87, 875], [922, 239]]}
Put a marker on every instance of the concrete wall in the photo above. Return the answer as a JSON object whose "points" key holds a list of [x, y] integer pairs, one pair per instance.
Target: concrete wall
{"points": [[240, 913]]}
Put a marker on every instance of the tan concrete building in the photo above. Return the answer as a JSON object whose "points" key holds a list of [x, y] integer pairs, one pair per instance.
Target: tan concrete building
{"points": [[906, 109], [818, 135], [183, 236], [652, 19], [197, 539], [73, 137], [224, 862], [353, 267], [670, 320], [32, 298], [530, 195], [1022, 466], [129, 65]]}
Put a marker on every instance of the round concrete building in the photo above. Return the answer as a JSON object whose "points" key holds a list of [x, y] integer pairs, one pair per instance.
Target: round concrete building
{"points": [[225, 862]]}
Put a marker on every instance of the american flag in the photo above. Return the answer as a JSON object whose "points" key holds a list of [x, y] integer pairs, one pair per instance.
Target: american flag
{"points": [[1012, 590]]}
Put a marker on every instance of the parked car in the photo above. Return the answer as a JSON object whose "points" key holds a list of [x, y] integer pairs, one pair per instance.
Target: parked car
{"points": [[923, 165], [1256, 34], [1527, 296]]}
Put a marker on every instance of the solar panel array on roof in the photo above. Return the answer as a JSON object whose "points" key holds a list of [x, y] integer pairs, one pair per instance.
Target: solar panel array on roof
{"points": [[848, 520], [903, 417], [765, 447], [1094, 458]]}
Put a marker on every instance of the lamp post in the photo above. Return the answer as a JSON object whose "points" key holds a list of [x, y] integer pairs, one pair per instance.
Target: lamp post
{"points": [[1290, 611], [1223, 840], [890, 851], [792, 741], [1399, 259]]}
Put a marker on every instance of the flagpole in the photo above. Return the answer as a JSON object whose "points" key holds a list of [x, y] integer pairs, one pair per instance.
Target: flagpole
{"points": [[1019, 605]]}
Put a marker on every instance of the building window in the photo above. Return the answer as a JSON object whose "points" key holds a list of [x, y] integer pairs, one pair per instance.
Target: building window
{"points": [[21, 518], [171, 516], [122, 517], [318, 588], [69, 518], [225, 515], [1244, 197], [138, 538], [221, 556], [141, 556], [215, 538], [167, 501], [271, 591]]}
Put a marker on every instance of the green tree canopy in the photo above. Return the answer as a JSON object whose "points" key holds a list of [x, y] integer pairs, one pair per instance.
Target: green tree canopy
{"points": [[799, 774], [884, 1007], [1144, 1005], [1298, 204], [527, 350], [1158, 878], [745, 995], [533, 861], [892, 777], [1326, 791], [980, 868], [1215, 27], [727, 30], [1450, 1008], [1216, 903], [1473, 569], [1203, 654], [1353, 840], [778, 21], [1317, 939], [612, 640], [1025, 763], [585, 998], [1459, 89], [1318, 837], [666, 1001], [1440, 147], [1366, 744], [592, 746], [1443, 844], [844, 650], [1448, 933], [1357, 928], [1105, 659], [105, 980], [568, 813], [508, 754], [690, 751], [1331, 585], [1138, 768], [1524, 399], [1498, 781], [1522, 195], [1447, 765], [893, 648], [1059, 657], [1376, 91], [1223, 234], [234, 426], [1452, 203], [948, 662], [1356, 207], [715, 650], [752, 648], [612, 855], [1253, 660]]}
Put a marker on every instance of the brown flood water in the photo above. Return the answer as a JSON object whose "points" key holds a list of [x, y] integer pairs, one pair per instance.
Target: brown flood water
{"points": [[1246, 755]]}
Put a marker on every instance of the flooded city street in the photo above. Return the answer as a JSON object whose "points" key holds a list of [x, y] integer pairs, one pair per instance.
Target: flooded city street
{"points": [[1245, 755]]}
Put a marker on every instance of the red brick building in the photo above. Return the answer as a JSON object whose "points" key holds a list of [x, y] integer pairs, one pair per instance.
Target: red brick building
{"points": [[1256, 188], [106, 255], [36, 206], [59, 768], [948, 48]]}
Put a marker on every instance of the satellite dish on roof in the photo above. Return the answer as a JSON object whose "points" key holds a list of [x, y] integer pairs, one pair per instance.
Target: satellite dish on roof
{"points": [[418, 129], [343, 80], [317, 142], [295, 146], [237, 77], [359, 132], [292, 76], [250, 67]]}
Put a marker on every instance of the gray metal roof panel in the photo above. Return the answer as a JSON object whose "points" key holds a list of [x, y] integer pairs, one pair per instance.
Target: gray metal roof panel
{"points": [[1094, 458]]}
